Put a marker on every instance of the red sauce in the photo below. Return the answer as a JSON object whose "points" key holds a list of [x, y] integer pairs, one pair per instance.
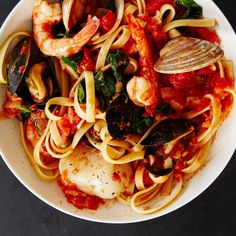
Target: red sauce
{"points": [[78, 198]]}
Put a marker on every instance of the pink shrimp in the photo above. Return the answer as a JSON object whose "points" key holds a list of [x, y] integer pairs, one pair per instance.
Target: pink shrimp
{"points": [[44, 17], [146, 66]]}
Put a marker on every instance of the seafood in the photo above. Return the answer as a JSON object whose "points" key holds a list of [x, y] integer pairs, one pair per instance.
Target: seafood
{"points": [[93, 175], [184, 54], [139, 90], [39, 87], [146, 60], [44, 17]]}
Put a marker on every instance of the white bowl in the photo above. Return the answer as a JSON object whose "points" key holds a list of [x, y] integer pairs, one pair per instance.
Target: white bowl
{"points": [[15, 158]]}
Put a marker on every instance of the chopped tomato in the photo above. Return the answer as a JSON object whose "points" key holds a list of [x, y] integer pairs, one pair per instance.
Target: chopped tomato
{"points": [[146, 179], [78, 198], [174, 97], [153, 5], [159, 36], [130, 47], [88, 61], [115, 176], [185, 80], [203, 33], [11, 105], [64, 127], [91, 7], [108, 21]]}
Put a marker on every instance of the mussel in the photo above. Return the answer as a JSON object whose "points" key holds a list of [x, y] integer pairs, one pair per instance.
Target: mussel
{"points": [[39, 82], [72, 12], [156, 164], [5, 51], [184, 54], [168, 130], [119, 115], [18, 63], [28, 72]]}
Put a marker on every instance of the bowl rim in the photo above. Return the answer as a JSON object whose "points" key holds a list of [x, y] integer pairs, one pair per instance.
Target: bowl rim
{"points": [[93, 219]]}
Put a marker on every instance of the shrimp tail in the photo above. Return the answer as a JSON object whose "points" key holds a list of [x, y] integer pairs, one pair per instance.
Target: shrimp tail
{"points": [[44, 17]]}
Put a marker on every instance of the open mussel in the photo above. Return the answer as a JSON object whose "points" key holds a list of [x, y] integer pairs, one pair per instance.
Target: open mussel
{"points": [[18, 63], [156, 164], [165, 132], [29, 74], [39, 82], [184, 54], [6, 50], [168, 130]]}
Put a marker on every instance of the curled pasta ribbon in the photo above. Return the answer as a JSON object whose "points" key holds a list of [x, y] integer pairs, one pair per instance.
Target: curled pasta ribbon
{"points": [[42, 174], [129, 9], [61, 101], [110, 154], [148, 194], [120, 11], [105, 47], [141, 6], [197, 161], [89, 113], [189, 23], [216, 115], [36, 153]]}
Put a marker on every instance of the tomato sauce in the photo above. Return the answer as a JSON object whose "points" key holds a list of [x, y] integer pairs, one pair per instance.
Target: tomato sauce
{"points": [[78, 198]]}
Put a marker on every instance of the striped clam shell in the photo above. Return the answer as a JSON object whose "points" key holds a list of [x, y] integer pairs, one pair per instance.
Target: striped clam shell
{"points": [[184, 54]]}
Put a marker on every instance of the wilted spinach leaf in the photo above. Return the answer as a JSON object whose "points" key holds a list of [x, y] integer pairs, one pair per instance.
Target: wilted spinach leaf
{"points": [[104, 87], [118, 61], [166, 109], [140, 123], [73, 61], [81, 93], [193, 10]]}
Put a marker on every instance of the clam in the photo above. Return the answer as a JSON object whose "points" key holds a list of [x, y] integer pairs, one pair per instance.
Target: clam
{"points": [[72, 12], [39, 82], [184, 54]]}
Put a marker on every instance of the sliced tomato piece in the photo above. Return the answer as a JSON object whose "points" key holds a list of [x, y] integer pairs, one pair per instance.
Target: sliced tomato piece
{"points": [[108, 21]]}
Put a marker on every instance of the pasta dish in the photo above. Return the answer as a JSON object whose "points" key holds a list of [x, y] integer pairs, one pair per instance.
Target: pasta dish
{"points": [[117, 99]]}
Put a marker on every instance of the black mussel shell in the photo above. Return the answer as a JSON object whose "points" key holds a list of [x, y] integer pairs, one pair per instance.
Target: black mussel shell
{"points": [[167, 130], [154, 162], [18, 63], [119, 115]]}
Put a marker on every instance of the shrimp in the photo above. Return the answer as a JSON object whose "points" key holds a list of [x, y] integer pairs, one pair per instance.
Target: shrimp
{"points": [[44, 17], [145, 61], [139, 90]]}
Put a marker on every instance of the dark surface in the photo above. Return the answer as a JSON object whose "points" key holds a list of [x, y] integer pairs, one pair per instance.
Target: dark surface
{"points": [[212, 213]]}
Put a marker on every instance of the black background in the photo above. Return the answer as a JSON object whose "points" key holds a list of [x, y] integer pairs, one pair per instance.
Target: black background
{"points": [[212, 213]]}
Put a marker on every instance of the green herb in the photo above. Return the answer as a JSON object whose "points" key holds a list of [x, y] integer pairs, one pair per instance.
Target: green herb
{"points": [[81, 93], [24, 111], [166, 109], [111, 5], [141, 123], [193, 10], [73, 61], [105, 88], [118, 61]]}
